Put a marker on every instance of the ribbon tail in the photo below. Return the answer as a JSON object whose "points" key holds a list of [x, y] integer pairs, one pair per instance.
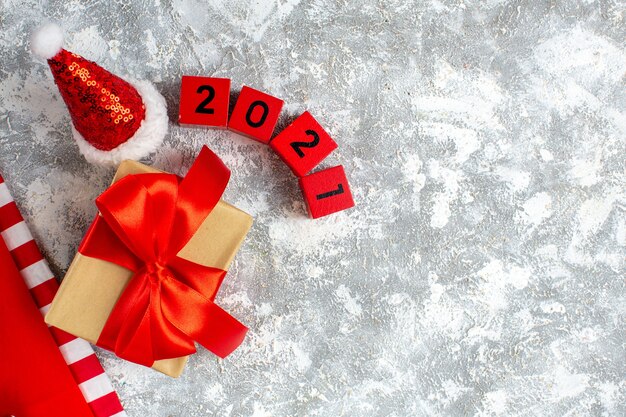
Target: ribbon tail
{"points": [[135, 343], [201, 319], [168, 340], [223, 333], [127, 330]]}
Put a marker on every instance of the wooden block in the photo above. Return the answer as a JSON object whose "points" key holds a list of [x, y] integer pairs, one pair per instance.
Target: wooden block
{"points": [[326, 192], [303, 144], [255, 114], [204, 101]]}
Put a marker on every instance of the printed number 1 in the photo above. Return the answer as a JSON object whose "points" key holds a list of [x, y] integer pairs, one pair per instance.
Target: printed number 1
{"points": [[338, 191], [202, 106]]}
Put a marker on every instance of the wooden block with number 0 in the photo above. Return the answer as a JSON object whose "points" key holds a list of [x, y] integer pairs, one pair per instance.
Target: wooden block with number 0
{"points": [[255, 114], [326, 192], [204, 101], [303, 144]]}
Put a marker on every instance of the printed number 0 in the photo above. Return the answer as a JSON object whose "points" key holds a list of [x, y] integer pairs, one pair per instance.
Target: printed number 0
{"points": [[261, 120], [313, 143], [202, 106]]}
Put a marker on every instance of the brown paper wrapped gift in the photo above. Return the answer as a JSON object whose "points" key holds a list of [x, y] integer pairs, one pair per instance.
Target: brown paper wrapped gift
{"points": [[92, 286]]}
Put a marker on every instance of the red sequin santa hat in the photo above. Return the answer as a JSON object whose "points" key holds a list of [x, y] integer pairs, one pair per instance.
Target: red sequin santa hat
{"points": [[113, 119]]}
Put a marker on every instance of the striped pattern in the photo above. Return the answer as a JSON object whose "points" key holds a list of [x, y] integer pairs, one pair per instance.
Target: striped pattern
{"points": [[78, 354]]}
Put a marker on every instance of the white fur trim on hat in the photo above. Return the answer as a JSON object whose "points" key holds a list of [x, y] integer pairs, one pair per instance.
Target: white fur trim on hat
{"points": [[47, 41], [146, 139]]}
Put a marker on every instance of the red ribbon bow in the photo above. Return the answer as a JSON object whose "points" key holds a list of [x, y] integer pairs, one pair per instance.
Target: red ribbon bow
{"points": [[145, 221]]}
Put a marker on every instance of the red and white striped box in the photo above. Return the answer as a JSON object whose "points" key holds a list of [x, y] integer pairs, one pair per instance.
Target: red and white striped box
{"points": [[78, 354]]}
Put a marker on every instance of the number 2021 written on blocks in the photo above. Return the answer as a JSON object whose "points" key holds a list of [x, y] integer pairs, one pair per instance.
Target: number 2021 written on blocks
{"points": [[303, 144], [326, 191], [204, 101], [255, 114]]}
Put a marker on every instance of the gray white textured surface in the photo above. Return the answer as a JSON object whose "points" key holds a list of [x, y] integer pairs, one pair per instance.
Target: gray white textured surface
{"points": [[482, 272]]}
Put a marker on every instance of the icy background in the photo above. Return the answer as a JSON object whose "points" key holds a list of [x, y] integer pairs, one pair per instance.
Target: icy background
{"points": [[482, 271]]}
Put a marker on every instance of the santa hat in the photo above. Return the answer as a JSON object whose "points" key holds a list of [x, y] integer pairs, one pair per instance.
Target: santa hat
{"points": [[113, 119]]}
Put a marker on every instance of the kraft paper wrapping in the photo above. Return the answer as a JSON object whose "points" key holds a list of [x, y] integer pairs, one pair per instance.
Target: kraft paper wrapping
{"points": [[92, 286]]}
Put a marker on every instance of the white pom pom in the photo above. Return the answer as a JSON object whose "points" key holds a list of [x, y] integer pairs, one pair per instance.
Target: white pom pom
{"points": [[47, 41]]}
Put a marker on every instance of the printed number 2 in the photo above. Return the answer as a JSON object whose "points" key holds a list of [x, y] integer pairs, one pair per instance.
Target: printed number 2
{"points": [[298, 145], [202, 106], [339, 190]]}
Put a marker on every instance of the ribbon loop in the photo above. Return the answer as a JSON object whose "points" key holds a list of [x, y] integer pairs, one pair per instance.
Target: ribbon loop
{"points": [[145, 220]]}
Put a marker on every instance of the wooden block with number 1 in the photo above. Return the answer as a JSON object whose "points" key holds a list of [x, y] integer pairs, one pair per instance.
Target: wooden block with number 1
{"points": [[204, 101], [326, 191], [255, 114], [303, 144]]}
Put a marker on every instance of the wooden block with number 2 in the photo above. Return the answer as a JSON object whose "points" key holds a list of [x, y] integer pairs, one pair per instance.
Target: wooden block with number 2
{"points": [[303, 144], [204, 101], [326, 191]]}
